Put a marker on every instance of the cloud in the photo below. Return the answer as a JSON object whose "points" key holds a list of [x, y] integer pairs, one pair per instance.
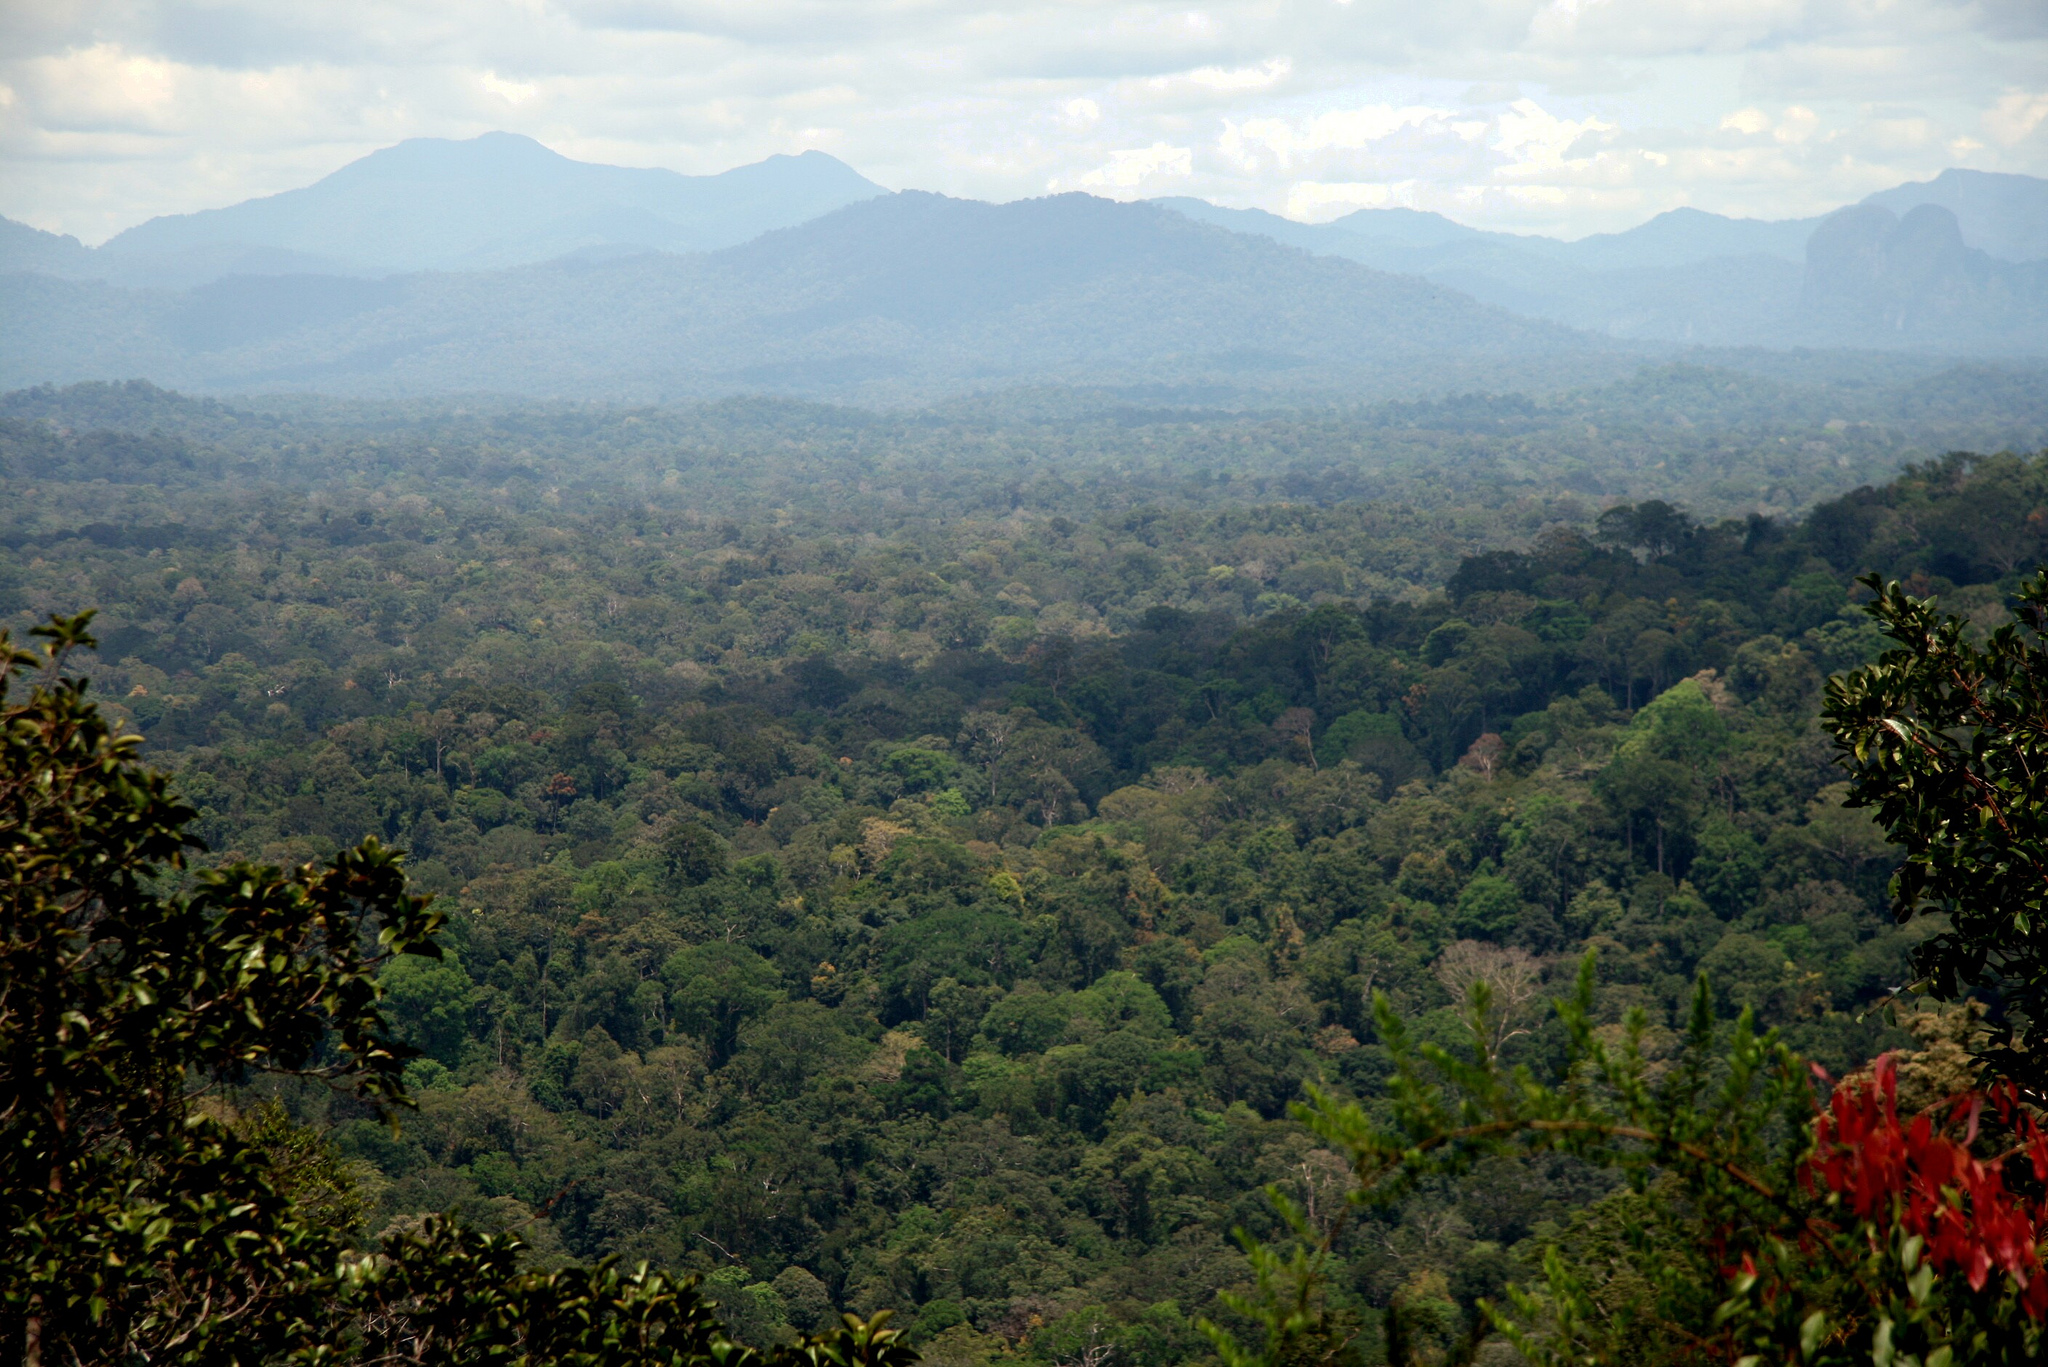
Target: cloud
{"points": [[2016, 117], [512, 92], [1797, 125], [1282, 143], [1237, 81], [1554, 115], [1139, 165], [1537, 142], [103, 88]]}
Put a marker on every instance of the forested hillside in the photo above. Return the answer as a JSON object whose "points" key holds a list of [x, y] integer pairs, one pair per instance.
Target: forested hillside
{"points": [[916, 862]]}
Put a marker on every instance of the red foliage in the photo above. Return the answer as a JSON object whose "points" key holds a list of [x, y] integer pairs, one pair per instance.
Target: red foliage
{"points": [[1913, 1175]]}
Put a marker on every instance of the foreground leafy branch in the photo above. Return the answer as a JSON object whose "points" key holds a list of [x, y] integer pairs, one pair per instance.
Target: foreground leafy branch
{"points": [[1947, 739], [1801, 1236]]}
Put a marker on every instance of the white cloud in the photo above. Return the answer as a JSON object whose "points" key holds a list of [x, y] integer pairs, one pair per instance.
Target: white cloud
{"points": [[1537, 142], [1283, 142], [104, 87], [1136, 166], [512, 92], [1556, 115], [1797, 125], [1242, 80], [2015, 117]]}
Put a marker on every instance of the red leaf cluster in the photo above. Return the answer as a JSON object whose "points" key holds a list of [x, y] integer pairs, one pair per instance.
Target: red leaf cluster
{"points": [[1912, 1175]]}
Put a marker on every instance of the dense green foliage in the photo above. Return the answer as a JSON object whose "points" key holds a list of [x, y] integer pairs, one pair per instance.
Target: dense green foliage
{"points": [[1772, 1214], [1895, 1217], [131, 1218], [1947, 739], [880, 878], [142, 1223]]}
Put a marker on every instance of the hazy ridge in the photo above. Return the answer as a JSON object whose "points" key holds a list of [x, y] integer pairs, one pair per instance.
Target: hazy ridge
{"points": [[496, 265]]}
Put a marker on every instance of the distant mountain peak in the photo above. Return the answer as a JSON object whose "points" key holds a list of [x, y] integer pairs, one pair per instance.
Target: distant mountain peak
{"points": [[25, 248], [1930, 260], [893, 298], [2000, 213], [497, 199], [1963, 175], [499, 150]]}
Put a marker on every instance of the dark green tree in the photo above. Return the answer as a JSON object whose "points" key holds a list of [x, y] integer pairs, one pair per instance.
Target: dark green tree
{"points": [[718, 987], [135, 1222], [1947, 738], [693, 853]]}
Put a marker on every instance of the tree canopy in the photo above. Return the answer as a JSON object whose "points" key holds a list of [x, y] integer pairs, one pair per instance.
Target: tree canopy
{"points": [[919, 862], [141, 1223]]}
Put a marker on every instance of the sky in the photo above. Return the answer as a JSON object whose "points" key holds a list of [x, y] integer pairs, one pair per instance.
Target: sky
{"points": [[1558, 116]]}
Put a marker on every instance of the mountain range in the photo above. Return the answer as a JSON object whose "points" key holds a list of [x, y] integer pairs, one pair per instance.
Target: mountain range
{"points": [[1691, 276], [495, 264], [902, 297], [434, 204]]}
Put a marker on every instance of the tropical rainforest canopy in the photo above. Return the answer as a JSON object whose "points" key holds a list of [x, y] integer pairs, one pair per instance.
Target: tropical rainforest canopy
{"points": [[920, 863]]}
